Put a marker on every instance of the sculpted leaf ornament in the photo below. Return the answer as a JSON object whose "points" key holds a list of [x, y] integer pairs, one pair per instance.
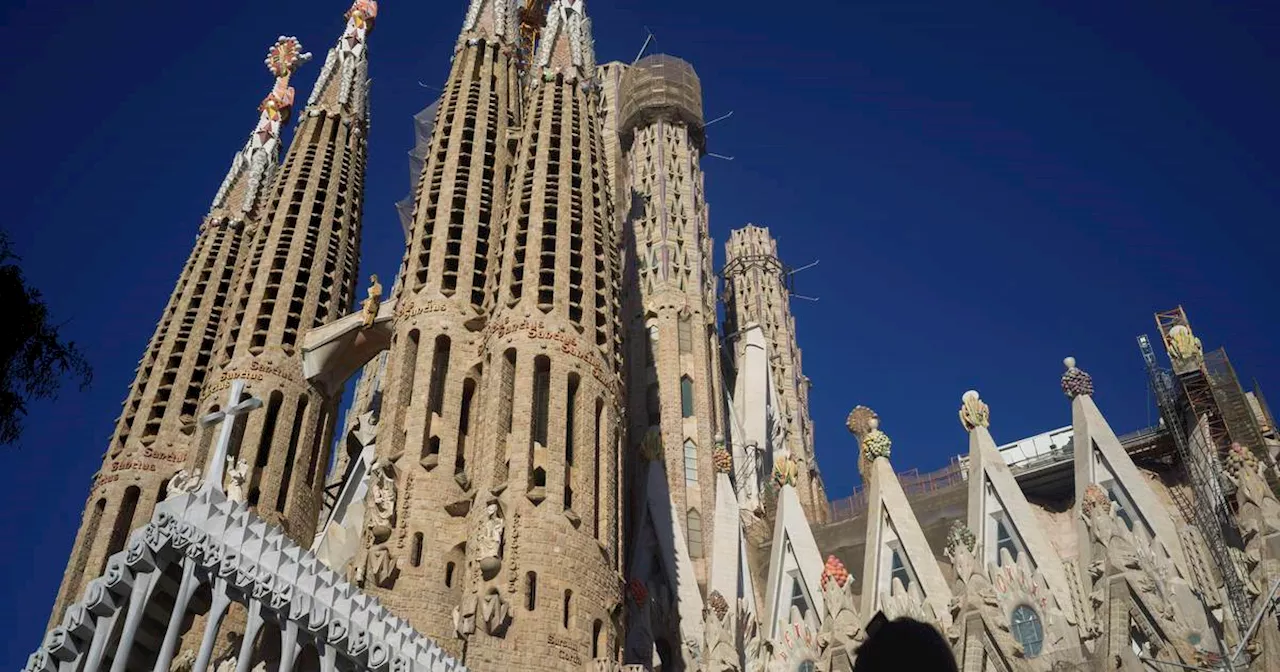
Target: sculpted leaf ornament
{"points": [[974, 413]]}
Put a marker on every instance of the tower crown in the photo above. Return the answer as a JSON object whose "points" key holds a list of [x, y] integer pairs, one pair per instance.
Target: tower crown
{"points": [[566, 43], [660, 87], [256, 162]]}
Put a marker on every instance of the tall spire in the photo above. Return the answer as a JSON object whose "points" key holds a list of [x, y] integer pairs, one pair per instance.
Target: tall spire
{"points": [[566, 41], [257, 161], [343, 85]]}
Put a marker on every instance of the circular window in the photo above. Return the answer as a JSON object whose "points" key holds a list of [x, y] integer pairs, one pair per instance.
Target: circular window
{"points": [[807, 666], [1027, 630]]}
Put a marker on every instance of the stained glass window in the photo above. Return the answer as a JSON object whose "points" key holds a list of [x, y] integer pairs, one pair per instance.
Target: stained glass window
{"points": [[1026, 628]]}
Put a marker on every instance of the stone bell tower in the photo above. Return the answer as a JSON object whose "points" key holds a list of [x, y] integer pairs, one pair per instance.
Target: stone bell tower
{"points": [[756, 291], [430, 421], [155, 432], [673, 353], [543, 587], [298, 271]]}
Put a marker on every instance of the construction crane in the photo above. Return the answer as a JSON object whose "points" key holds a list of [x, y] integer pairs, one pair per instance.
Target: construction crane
{"points": [[533, 18]]}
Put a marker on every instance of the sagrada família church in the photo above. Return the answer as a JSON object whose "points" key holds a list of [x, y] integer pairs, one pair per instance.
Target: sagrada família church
{"points": [[556, 457]]}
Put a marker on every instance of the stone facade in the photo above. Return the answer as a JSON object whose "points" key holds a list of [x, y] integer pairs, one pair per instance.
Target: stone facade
{"points": [[544, 467], [672, 364], [430, 413]]}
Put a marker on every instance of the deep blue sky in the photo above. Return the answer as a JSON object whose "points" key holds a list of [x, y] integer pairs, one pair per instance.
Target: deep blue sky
{"points": [[989, 187]]}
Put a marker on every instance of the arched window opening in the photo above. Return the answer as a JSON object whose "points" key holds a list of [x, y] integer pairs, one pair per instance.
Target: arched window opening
{"points": [[690, 462], [464, 425], [268, 431], [568, 607], [531, 591], [685, 329], [295, 437], [597, 635], [123, 524], [596, 477], [686, 397], [1026, 628], [694, 522], [898, 570], [448, 574], [415, 557]]}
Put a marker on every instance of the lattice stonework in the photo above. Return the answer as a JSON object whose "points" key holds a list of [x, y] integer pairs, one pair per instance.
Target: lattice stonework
{"points": [[204, 539]]}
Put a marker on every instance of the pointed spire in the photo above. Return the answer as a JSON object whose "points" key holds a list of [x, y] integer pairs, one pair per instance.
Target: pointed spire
{"points": [[1076, 382], [348, 61], [566, 41], [258, 159]]}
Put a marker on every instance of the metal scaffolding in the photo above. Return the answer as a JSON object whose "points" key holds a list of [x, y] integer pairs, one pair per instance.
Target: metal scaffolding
{"points": [[1209, 512]]}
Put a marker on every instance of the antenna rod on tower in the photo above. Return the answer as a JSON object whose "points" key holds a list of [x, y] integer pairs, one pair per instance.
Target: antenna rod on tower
{"points": [[805, 267], [720, 156], [719, 118], [647, 40]]}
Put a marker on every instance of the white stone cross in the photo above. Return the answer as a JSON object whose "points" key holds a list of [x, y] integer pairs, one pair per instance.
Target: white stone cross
{"points": [[217, 461]]}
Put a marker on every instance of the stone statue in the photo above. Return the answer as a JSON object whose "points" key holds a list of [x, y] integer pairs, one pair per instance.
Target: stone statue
{"points": [[184, 483], [494, 611], [237, 474], [373, 302], [464, 616], [227, 664], [841, 629], [974, 413], [382, 495], [378, 565], [489, 539], [183, 662]]}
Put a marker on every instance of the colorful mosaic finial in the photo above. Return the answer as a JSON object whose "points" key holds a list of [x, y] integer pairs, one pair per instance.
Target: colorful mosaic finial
{"points": [[1075, 382], [875, 443], [858, 419], [1094, 499], [1182, 344], [283, 59], [718, 604], [360, 19], [834, 571], [959, 536], [1239, 457], [974, 413], [785, 471], [722, 459]]}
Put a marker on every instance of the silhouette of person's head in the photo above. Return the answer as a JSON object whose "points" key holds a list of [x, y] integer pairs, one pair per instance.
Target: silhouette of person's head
{"points": [[904, 644]]}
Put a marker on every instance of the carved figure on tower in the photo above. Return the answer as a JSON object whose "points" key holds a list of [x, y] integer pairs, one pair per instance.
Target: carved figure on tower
{"points": [[1183, 345], [372, 302], [237, 474]]}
